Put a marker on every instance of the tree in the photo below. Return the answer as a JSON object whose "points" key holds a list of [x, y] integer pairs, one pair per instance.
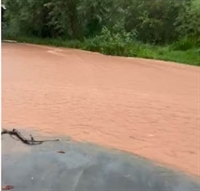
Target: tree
{"points": [[188, 21]]}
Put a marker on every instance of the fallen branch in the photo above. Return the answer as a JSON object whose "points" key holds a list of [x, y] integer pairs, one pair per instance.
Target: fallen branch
{"points": [[31, 141]]}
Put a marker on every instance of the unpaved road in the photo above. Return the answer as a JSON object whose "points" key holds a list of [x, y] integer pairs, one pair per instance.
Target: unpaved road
{"points": [[147, 107]]}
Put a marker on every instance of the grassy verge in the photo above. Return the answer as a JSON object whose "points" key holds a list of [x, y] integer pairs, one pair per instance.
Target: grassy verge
{"points": [[134, 49]]}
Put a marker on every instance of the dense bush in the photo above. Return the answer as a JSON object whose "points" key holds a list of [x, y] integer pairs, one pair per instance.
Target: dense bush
{"points": [[185, 43], [154, 21], [117, 27], [188, 21]]}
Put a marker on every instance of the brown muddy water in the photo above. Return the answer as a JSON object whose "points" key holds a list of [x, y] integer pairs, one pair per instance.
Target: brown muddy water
{"points": [[147, 107]]}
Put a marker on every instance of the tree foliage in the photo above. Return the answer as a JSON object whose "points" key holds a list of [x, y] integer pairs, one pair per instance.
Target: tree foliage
{"points": [[188, 21], [149, 21]]}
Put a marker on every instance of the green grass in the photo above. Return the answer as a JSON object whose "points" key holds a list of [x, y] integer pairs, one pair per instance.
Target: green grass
{"points": [[191, 57], [136, 49]]}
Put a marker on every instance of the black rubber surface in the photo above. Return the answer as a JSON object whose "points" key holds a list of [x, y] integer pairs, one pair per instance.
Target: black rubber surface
{"points": [[84, 167]]}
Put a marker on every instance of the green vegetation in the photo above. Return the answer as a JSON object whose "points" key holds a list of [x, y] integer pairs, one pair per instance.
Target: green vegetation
{"points": [[158, 29]]}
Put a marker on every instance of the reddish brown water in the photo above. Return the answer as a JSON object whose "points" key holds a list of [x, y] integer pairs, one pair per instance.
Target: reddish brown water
{"points": [[147, 107]]}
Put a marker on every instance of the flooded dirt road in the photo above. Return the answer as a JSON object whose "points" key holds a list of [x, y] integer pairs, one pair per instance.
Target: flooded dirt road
{"points": [[147, 107]]}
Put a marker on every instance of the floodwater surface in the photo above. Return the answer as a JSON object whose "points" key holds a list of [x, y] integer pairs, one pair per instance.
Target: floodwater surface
{"points": [[146, 107]]}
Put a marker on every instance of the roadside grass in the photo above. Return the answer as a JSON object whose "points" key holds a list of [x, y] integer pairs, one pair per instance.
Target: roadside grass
{"points": [[136, 49]]}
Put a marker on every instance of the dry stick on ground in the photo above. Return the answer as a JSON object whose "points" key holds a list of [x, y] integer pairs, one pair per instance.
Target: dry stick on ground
{"points": [[17, 134]]}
